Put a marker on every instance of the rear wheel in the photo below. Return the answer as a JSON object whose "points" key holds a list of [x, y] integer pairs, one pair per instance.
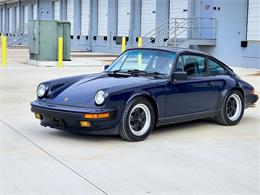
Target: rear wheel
{"points": [[232, 109], [138, 120]]}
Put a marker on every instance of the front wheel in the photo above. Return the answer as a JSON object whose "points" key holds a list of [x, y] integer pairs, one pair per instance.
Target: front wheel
{"points": [[232, 109], [138, 120]]}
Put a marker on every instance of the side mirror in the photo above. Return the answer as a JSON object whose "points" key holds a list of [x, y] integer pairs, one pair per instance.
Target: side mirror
{"points": [[106, 67], [180, 75]]}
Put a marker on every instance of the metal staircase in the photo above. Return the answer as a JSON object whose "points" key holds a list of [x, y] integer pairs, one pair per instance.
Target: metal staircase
{"points": [[20, 36], [182, 33]]}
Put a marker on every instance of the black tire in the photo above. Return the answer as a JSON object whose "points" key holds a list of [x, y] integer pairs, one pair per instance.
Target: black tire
{"points": [[126, 130], [223, 118]]}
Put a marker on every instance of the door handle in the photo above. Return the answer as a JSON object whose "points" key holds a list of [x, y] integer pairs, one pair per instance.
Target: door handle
{"points": [[210, 83]]}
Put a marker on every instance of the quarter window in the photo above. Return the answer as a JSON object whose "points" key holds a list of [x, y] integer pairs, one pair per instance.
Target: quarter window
{"points": [[214, 68], [195, 65]]}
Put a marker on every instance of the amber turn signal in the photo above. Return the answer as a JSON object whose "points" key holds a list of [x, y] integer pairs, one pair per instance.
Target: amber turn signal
{"points": [[85, 124], [97, 116], [38, 116]]}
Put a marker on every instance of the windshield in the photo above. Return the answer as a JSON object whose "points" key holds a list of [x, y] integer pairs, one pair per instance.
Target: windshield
{"points": [[150, 61]]}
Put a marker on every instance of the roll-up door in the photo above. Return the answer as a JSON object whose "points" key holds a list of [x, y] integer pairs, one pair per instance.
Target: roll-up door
{"points": [[26, 18], [70, 14], [253, 25], [56, 9], [179, 9], [123, 17], [34, 11], [148, 16], [84, 17], [17, 17], [10, 18], [102, 17], [3, 20]]}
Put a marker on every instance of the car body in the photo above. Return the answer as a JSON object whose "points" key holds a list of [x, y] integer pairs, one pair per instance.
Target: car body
{"points": [[182, 85]]}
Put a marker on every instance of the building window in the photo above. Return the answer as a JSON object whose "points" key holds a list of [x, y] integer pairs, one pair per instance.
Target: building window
{"points": [[253, 20]]}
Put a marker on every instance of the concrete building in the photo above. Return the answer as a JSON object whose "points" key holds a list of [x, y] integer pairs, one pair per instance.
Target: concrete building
{"points": [[227, 29]]}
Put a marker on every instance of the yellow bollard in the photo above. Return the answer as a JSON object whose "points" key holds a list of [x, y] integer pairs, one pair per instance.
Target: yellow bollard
{"points": [[123, 44], [3, 40], [60, 51], [140, 43]]}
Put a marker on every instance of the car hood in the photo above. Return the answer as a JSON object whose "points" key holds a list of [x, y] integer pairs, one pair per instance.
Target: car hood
{"points": [[82, 92]]}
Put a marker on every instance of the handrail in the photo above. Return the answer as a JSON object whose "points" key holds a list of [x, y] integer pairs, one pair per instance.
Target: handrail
{"points": [[173, 29], [20, 34]]}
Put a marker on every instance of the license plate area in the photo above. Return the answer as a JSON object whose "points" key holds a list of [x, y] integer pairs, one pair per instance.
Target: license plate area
{"points": [[59, 122]]}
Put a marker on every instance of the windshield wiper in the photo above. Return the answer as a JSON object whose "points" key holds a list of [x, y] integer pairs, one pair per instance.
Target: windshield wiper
{"points": [[136, 71], [133, 72], [120, 71], [156, 74]]}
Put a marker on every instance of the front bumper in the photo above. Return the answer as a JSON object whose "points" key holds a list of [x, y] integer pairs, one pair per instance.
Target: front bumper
{"points": [[68, 119]]}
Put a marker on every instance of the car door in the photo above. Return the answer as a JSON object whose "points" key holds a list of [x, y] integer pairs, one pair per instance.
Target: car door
{"points": [[219, 76], [191, 95]]}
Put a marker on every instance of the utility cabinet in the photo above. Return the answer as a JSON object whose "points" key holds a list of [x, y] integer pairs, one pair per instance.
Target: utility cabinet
{"points": [[43, 39]]}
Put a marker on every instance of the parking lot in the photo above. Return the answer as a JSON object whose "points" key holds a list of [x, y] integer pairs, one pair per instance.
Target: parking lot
{"points": [[199, 157]]}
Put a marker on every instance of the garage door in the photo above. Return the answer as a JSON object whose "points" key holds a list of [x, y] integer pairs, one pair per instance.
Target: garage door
{"points": [[56, 9], [179, 9], [34, 11], [70, 13], [1, 20], [148, 16], [10, 18], [84, 17], [17, 17], [123, 17], [26, 18], [102, 17], [253, 26]]}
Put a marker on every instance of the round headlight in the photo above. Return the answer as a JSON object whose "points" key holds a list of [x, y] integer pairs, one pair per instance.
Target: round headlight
{"points": [[100, 97], [41, 90]]}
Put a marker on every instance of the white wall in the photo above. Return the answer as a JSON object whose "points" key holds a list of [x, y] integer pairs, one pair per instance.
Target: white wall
{"points": [[231, 30]]}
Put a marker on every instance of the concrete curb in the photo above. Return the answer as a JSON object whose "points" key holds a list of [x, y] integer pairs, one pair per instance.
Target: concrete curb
{"points": [[87, 63]]}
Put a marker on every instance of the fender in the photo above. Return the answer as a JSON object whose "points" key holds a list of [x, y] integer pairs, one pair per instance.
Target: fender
{"points": [[150, 98], [226, 91]]}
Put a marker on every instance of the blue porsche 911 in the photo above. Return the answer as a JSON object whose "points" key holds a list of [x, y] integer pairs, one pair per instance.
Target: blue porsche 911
{"points": [[144, 88]]}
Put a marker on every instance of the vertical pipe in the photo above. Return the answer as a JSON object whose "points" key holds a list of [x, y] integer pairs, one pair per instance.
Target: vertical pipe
{"points": [[60, 52], [123, 44], [3, 40], [140, 42]]}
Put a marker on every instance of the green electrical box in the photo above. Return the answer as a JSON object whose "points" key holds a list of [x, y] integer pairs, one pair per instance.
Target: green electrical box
{"points": [[43, 39]]}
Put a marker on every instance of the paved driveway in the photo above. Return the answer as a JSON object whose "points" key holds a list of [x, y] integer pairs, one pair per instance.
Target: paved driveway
{"points": [[198, 157]]}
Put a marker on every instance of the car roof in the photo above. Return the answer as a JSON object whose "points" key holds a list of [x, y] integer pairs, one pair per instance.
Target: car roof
{"points": [[175, 50]]}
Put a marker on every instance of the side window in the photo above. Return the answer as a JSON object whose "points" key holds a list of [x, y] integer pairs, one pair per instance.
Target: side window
{"points": [[179, 65], [214, 68], [195, 65]]}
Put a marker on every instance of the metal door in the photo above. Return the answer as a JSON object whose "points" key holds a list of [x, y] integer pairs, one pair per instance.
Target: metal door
{"points": [[70, 14], [123, 17], [178, 10], [56, 9], [148, 16], [85, 17], [102, 17]]}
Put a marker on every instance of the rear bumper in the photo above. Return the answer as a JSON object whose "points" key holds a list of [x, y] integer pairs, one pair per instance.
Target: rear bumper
{"points": [[251, 99], [68, 119]]}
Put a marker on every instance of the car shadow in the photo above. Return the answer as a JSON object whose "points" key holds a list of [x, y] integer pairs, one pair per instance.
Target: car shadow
{"points": [[172, 128], [107, 138], [84, 137], [185, 126]]}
